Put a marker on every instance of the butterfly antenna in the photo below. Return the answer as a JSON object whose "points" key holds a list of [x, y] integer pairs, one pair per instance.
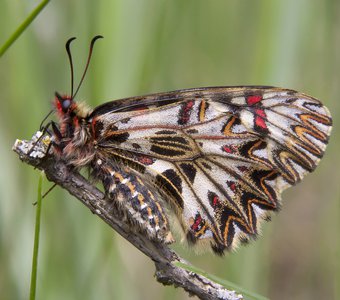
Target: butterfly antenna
{"points": [[43, 121], [87, 63], [68, 50]]}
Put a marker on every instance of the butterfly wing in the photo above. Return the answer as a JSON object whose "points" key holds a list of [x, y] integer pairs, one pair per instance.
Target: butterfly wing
{"points": [[221, 156]]}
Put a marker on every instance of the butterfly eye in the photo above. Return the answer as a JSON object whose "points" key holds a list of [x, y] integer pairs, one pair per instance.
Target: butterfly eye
{"points": [[66, 104]]}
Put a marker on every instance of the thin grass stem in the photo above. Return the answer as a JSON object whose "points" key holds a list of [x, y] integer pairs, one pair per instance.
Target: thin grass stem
{"points": [[36, 241], [23, 26]]}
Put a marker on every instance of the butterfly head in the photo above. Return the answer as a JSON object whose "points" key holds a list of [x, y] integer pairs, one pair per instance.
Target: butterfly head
{"points": [[64, 104], [67, 108]]}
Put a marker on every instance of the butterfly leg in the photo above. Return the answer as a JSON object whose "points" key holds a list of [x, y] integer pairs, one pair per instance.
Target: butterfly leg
{"points": [[137, 201], [42, 135]]}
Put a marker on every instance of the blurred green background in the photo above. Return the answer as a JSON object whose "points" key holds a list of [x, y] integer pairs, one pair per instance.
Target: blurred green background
{"points": [[152, 46]]}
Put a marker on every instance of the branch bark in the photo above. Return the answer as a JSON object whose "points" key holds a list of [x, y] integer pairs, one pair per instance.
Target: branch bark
{"points": [[164, 258]]}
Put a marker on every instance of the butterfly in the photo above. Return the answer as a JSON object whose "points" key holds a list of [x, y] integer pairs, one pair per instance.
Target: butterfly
{"points": [[217, 158]]}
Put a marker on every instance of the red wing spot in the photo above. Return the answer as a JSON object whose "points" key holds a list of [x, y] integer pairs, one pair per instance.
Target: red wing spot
{"points": [[216, 201], [185, 112], [260, 112], [232, 185], [145, 160], [260, 123], [259, 119], [190, 104], [229, 149], [251, 100], [197, 223], [226, 149]]}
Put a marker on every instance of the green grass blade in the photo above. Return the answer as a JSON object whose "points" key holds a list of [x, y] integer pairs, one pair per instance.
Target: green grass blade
{"points": [[36, 242], [23, 26], [227, 284]]}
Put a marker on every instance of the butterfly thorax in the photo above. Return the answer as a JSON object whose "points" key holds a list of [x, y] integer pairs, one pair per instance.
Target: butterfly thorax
{"points": [[75, 143]]}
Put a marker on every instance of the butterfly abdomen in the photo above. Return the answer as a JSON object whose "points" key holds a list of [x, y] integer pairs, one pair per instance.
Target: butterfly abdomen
{"points": [[137, 201]]}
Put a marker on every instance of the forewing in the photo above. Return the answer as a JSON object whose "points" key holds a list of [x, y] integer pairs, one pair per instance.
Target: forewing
{"points": [[221, 155]]}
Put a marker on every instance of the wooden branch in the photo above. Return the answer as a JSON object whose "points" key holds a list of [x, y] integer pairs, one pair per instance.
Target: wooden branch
{"points": [[164, 258]]}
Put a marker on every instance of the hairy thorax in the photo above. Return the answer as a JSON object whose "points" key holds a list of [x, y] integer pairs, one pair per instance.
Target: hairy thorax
{"points": [[77, 145], [81, 149]]}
